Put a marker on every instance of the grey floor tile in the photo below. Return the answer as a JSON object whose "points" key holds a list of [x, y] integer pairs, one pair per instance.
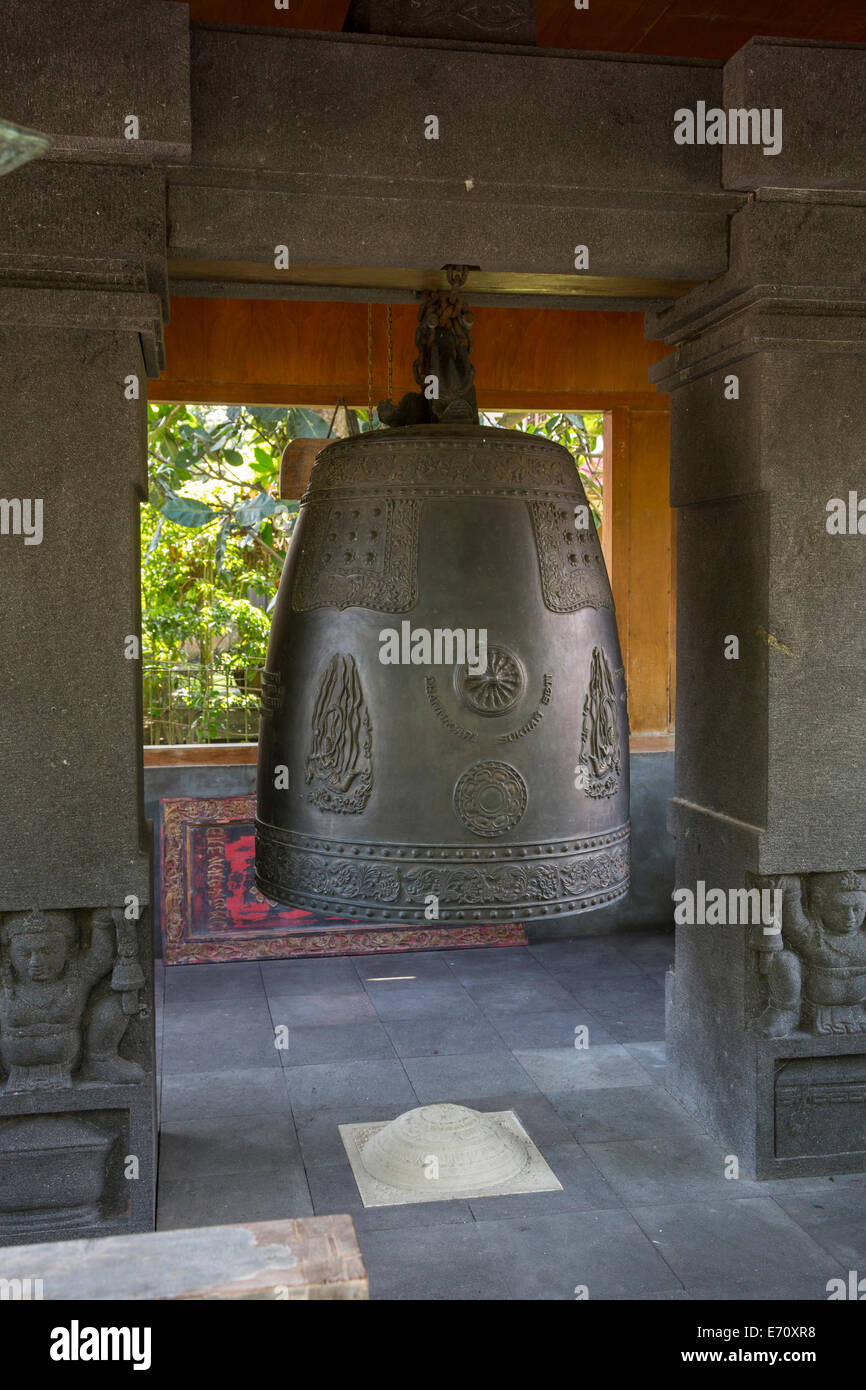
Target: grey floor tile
{"points": [[549, 1257], [331, 975], [349, 1042], [575, 1068], [668, 1169], [233, 1091], [450, 1079], [599, 1115], [585, 959], [320, 1009], [331, 1084], [225, 980], [217, 1034], [749, 1240], [334, 1190], [648, 948], [800, 1288], [835, 1220], [583, 1189], [233, 1197], [650, 1054], [552, 1029], [534, 1111], [641, 1025], [207, 1146], [430, 1036], [617, 999], [419, 999], [498, 959], [533, 994], [428, 966], [444, 1263]]}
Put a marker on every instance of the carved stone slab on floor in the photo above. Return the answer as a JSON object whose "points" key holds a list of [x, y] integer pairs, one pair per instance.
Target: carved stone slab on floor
{"points": [[309, 1258]]}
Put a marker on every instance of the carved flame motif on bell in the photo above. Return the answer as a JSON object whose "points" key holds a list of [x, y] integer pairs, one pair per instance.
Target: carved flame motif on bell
{"points": [[600, 756], [339, 771], [414, 783]]}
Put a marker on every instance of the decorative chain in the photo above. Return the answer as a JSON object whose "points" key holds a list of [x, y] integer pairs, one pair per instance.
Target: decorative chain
{"points": [[444, 308]]}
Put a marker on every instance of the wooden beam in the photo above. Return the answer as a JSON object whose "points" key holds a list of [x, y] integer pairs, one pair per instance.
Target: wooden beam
{"points": [[576, 286], [290, 352]]}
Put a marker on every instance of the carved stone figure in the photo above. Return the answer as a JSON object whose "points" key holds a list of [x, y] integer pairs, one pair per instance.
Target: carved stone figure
{"points": [[61, 1018], [815, 968]]}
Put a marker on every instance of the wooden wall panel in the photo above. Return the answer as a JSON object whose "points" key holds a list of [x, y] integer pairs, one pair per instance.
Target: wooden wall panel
{"points": [[649, 569], [637, 540]]}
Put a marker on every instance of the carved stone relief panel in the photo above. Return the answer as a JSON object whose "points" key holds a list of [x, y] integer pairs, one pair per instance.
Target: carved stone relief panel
{"points": [[69, 984], [813, 970]]}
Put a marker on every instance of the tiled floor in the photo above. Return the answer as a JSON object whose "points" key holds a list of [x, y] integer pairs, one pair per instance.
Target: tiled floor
{"points": [[249, 1131]]}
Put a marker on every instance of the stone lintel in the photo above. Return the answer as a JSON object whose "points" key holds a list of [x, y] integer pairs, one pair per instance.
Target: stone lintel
{"points": [[77, 72], [820, 88], [295, 102], [427, 228]]}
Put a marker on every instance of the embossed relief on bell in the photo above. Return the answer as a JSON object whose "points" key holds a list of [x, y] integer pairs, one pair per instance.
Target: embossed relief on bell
{"points": [[272, 693], [490, 798], [573, 575], [812, 972], [393, 880], [359, 552], [495, 690], [339, 769], [600, 764], [69, 984]]}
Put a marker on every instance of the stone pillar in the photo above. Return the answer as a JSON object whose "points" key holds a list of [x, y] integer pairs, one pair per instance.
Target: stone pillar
{"points": [[82, 299], [767, 1029]]}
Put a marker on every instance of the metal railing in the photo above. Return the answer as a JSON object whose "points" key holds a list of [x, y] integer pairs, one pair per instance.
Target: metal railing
{"points": [[200, 704]]}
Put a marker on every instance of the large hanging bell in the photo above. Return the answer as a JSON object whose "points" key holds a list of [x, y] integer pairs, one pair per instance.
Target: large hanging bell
{"points": [[444, 732]]}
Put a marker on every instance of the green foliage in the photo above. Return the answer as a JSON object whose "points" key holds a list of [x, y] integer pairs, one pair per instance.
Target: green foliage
{"points": [[214, 531]]}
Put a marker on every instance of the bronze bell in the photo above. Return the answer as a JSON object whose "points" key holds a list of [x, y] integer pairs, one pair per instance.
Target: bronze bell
{"points": [[444, 731]]}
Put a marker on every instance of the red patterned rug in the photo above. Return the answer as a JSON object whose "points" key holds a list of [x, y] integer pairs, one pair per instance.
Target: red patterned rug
{"points": [[211, 909]]}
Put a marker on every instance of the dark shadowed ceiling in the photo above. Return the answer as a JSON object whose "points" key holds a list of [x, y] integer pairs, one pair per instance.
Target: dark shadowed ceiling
{"points": [[680, 28]]}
